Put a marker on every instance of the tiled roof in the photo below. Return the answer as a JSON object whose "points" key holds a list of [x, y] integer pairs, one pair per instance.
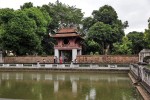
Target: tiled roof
{"points": [[66, 35], [145, 50], [67, 30]]}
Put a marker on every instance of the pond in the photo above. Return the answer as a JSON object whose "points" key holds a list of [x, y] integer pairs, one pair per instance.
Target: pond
{"points": [[66, 86]]}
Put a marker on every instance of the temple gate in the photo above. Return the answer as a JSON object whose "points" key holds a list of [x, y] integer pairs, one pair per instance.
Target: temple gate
{"points": [[68, 44]]}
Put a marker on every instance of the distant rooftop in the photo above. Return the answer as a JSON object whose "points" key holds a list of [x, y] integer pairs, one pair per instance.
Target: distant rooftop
{"points": [[145, 50], [67, 30]]}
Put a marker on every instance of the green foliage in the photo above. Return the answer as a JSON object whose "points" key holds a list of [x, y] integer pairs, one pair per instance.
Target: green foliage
{"points": [[147, 38], [40, 18], [26, 30], [87, 23], [27, 5], [137, 39], [105, 14], [20, 35], [92, 46], [149, 23], [123, 48], [103, 34], [63, 15], [105, 28], [5, 15]]}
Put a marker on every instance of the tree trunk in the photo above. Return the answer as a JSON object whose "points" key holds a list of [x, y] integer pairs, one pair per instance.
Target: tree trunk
{"points": [[103, 48], [107, 49]]}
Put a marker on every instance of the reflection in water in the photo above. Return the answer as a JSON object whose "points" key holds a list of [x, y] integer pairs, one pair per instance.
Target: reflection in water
{"points": [[74, 87], [56, 86], [61, 77], [19, 76], [48, 77], [36, 77], [92, 94], [5, 76], [69, 86]]}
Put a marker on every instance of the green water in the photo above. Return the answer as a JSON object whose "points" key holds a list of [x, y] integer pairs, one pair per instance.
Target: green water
{"points": [[66, 86]]}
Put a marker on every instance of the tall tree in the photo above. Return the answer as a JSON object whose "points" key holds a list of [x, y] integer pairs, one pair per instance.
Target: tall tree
{"points": [[87, 23], [137, 39], [103, 34], [149, 23], [63, 15], [20, 35], [41, 20], [105, 14], [27, 5], [5, 15], [107, 28], [147, 36]]}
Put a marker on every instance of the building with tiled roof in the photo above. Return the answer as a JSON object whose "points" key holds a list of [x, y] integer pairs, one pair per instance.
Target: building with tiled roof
{"points": [[68, 44]]}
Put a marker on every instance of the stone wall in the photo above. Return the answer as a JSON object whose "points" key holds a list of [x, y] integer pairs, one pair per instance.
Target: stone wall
{"points": [[29, 59], [107, 59], [80, 59]]}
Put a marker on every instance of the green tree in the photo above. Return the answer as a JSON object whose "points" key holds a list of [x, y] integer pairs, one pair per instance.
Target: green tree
{"points": [[137, 39], [105, 28], [108, 15], [63, 15], [87, 23], [27, 5], [91, 46], [41, 20], [103, 34], [20, 35], [124, 47], [105, 14], [5, 15], [149, 23], [147, 36]]}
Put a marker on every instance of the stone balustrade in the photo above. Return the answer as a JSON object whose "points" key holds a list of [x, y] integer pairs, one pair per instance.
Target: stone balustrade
{"points": [[67, 66], [142, 74]]}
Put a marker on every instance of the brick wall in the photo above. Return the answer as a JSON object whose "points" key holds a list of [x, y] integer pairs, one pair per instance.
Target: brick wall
{"points": [[107, 59], [80, 59], [29, 59]]}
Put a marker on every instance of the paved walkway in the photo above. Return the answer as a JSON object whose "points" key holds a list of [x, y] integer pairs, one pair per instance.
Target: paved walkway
{"points": [[142, 91]]}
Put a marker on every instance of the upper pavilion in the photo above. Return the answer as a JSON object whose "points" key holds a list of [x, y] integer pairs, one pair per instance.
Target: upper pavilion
{"points": [[68, 44]]}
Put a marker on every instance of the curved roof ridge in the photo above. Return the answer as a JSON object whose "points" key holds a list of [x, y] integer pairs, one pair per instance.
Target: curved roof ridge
{"points": [[67, 30]]}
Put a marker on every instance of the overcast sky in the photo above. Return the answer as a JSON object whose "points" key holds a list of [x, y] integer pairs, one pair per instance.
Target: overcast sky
{"points": [[136, 12]]}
